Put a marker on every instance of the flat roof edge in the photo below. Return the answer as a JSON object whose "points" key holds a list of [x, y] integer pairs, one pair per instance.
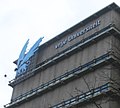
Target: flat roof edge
{"points": [[112, 6]]}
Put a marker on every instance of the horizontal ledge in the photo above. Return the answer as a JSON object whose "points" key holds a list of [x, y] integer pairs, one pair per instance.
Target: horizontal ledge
{"points": [[68, 76], [69, 51]]}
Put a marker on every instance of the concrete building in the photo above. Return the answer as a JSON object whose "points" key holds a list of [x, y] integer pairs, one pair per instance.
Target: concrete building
{"points": [[77, 69]]}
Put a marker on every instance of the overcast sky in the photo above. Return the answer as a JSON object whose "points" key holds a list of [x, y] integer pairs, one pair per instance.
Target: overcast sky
{"points": [[23, 19]]}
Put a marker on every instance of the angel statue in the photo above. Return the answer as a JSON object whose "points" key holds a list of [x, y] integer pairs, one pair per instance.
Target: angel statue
{"points": [[23, 60]]}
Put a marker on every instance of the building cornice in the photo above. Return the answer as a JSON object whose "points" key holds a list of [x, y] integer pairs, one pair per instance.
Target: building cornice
{"points": [[107, 31], [65, 78], [96, 15]]}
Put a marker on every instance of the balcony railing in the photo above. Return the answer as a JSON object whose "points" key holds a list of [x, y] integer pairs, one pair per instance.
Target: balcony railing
{"points": [[69, 51], [104, 89], [68, 76]]}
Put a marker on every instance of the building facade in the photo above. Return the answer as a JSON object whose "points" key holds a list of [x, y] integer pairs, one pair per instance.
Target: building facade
{"points": [[77, 69]]}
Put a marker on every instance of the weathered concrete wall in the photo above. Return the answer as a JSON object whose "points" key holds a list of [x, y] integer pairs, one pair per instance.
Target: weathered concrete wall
{"points": [[78, 86], [44, 53], [111, 17], [80, 58], [94, 79], [114, 104]]}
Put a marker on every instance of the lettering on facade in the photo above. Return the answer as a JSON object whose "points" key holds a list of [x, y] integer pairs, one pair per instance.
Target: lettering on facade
{"points": [[77, 34]]}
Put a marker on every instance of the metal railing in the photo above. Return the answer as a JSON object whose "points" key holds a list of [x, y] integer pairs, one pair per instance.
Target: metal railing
{"points": [[63, 78], [78, 46], [106, 89]]}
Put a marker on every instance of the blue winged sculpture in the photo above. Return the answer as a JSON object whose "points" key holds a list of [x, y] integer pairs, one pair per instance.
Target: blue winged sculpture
{"points": [[23, 60]]}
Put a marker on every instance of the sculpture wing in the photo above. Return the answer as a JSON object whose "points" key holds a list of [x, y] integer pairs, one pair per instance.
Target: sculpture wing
{"points": [[32, 50], [22, 54]]}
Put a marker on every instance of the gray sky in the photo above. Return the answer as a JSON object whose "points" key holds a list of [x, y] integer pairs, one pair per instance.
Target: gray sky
{"points": [[23, 19]]}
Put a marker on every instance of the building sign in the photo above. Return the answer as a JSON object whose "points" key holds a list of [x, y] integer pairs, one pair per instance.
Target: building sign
{"points": [[77, 34], [23, 60]]}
